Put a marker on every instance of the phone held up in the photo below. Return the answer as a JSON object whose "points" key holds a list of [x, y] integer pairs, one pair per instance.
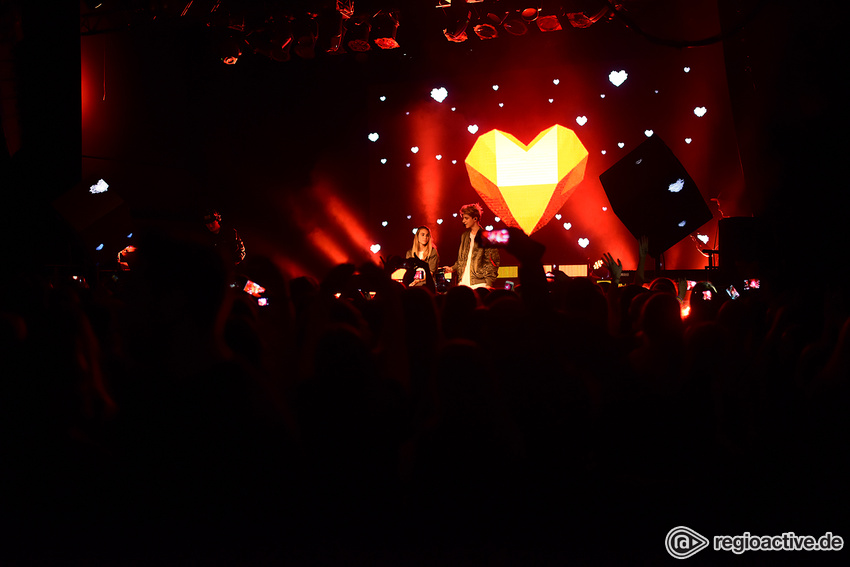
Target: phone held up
{"points": [[497, 238]]}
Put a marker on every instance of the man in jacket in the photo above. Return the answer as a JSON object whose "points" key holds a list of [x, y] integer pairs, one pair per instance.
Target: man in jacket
{"points": [[476, 266]]}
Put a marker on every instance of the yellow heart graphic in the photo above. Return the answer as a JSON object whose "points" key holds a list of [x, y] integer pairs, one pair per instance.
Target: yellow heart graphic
{"points": [[526, 185]]}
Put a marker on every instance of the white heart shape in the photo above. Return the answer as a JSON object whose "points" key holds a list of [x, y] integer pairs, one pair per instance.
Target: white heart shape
{"points": [[454, 108], [495, 87], [497, 219], [567, 226], [501, 104], [621, 144], [583, 242], [375, 248], [551, 100], [558, 216], [439, 94], [488, 227], [602, 96], [555, 82], [700, 111], [414, 149], [581, 120], [688, 140], [617, 78], [648, 133], [384, 223], [373, 137], [407, 165], [454, 161], [676, 186], [604, 209], [702, 238], [687, 69], [439, 156], [439, 221], [604, 152], [409, 217], [383, 98], [473, 128], [383, 160]]}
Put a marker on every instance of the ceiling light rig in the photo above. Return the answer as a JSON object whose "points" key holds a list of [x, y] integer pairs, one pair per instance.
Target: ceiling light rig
{"points": [[516, 17], [275, 29], [281, 30]]}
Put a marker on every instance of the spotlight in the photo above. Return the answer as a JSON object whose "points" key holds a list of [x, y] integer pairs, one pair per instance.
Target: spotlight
{"points": [[385, 26], [514, 24], [357, 36], [332, 24], [585, 13], [305, 33], [548, 17], [230, 50], [486, 27], [273, 40], [529, 15], [455, 30]]}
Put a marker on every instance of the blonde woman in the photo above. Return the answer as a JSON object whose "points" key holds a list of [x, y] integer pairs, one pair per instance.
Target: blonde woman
{"points": [[423, 249]]}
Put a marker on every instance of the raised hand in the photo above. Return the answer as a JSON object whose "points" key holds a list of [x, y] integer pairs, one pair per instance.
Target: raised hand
{"points": [[614, 268], [643, 246]]}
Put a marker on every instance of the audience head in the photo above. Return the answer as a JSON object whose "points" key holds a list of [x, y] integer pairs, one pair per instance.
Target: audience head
{"points": [[663, 284], [661, 318]]}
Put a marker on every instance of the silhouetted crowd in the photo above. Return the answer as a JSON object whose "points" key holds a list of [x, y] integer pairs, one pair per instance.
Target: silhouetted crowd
{"points": [[164, 417]]}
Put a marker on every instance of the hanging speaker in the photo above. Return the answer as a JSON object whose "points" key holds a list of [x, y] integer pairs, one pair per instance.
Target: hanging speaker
{"points": [[652, 194]]}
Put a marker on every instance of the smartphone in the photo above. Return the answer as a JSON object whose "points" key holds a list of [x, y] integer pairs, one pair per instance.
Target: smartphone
{"points": [[419, 274], [509, 285], [706, 295], [550, 276], [752, 284], [499, 237], [263, 301], [253, 288], [691, 284], [733, 293]]}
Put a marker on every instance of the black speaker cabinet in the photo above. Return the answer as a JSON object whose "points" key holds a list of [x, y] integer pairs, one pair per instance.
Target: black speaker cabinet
{"points": [[742, 242], [652, 194]]}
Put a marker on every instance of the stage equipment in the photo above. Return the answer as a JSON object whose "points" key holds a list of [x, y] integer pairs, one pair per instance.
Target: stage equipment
{"points": [[455, 30], [273, 39], [742, 243], [549, 16], [514, 24], [385, 27], [653, 195], [526, 185], [357, 36], [485, 26], [585, 13], [306, 32], [529, 15]]}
